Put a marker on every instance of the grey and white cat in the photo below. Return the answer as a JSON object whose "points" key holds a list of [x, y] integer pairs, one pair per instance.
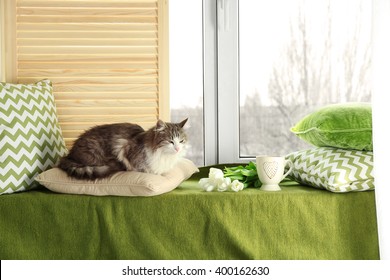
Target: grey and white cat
{"points": [[106, 149]]}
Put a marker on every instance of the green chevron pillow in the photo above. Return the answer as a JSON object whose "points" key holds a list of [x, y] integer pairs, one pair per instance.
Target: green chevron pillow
{"points": [[344, 125], [336, 170], [30, 137]]}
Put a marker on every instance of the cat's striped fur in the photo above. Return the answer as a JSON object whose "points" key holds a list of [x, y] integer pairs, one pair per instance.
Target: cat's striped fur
{"points": [[104, 150]]}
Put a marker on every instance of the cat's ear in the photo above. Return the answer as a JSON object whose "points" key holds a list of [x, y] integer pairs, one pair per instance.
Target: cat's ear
{"points": [[160, 125], [183, 122]]}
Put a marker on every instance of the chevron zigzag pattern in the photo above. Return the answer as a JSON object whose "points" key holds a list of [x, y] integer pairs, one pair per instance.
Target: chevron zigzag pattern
{"points": [[30, 136], [333, 169]]}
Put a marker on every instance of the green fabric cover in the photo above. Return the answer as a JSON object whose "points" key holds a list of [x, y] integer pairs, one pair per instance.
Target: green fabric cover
{"points": [[30, 136], [188, 223], [333, 169], [346, 126]]}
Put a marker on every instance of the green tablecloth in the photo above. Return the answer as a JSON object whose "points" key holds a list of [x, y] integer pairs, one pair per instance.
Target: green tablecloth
{"points": [[298, 222]]}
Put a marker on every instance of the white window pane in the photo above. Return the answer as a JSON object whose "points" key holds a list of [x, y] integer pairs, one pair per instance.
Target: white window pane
{"points": [[296, 56], [186, 71]]}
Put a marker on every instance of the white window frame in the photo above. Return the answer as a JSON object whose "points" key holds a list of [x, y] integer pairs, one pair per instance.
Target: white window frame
{"points": [[221, 92], [210, 87], [222, 82]]}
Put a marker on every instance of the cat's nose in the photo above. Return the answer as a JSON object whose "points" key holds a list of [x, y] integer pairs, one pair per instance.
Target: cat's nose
{"points": [[177, 148]]}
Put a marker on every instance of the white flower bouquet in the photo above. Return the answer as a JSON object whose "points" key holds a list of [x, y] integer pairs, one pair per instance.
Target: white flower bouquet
{"points": [[231, 179]]}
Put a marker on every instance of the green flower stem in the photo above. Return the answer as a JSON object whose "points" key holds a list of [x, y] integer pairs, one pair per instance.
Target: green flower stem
{"points": [[245, 174]]}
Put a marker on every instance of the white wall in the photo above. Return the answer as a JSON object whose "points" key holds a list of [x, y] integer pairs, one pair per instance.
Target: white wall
{"points": [[381, 117]]}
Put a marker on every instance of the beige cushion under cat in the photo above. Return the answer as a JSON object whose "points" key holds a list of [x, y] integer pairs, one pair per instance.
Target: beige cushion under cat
{"points": [[125, 183]]}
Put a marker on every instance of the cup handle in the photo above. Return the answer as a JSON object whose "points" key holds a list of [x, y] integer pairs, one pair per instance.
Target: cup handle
{"points": [[289, 162]]}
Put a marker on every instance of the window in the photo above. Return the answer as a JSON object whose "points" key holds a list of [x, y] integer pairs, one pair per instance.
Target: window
{"points": [[295, 59], [186, 72], [279, 60]]}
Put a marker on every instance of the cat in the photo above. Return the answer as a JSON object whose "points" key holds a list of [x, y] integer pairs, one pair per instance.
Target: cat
{"points": [[106, 149]]}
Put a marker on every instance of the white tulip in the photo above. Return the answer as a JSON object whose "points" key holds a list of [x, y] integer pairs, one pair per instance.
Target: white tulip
{"points": [[216, 176], [224, 185], [237, 186]]}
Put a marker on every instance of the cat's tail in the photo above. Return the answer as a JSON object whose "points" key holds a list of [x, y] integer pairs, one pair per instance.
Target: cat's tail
{"points": [[80, 171]]}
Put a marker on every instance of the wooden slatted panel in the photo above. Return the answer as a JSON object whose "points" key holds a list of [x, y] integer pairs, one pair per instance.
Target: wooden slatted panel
{"points": [[103, 57]]}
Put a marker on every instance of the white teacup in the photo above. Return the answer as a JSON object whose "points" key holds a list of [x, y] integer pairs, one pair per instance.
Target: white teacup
{"points": [[271, 171]]}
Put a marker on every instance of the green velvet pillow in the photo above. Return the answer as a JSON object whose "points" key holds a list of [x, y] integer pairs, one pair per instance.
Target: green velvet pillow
{"points": [[346, 126], [336, 170], [30, 136]]}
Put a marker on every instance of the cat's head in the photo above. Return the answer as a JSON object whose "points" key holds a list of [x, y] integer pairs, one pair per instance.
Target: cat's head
{"points": [[170, 137]]}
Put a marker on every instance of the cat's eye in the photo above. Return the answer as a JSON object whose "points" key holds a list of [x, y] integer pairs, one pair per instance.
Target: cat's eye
{"points": [[182, 141]]}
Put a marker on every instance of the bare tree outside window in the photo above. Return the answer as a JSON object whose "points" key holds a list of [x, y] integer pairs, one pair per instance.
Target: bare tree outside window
{"points": [[295, 57], [326, 59]]}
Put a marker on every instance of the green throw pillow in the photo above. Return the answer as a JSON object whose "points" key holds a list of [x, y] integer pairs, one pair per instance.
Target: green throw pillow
{"points": [[333, 169], [346, 126], [30, 137]]}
